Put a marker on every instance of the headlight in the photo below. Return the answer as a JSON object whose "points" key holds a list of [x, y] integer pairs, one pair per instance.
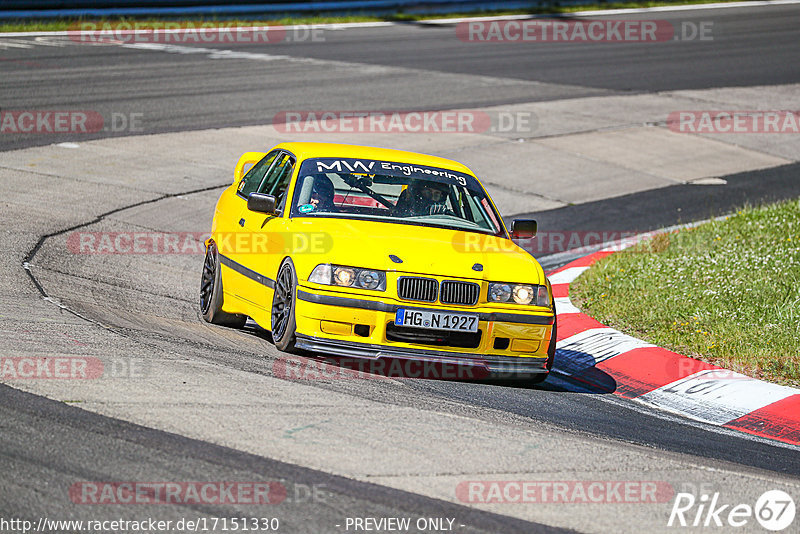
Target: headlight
{"points": [[533, 295], [523, 294], [344, 276], [499, 292], [338, 275], [369, 279]]}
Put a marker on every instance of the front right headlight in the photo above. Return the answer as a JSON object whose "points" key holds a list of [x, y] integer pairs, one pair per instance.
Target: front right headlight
{"points": [[340, 275]]}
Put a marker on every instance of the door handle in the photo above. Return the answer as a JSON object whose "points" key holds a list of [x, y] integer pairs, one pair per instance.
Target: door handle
{"points": [[241, 222]]}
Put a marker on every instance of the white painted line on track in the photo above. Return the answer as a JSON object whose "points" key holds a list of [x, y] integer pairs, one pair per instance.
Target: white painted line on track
{"points": [[213, 53], [6, 44]]}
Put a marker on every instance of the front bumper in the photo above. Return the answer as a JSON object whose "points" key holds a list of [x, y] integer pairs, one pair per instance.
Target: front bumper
{"points": [[494, 364], [349, 325]]}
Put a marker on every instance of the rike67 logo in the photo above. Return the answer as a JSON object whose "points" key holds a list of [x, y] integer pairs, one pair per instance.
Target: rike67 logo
{"points": [[774, 510]]}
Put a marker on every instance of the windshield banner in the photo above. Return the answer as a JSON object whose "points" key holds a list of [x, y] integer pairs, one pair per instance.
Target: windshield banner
{"points": [[387, 168]]}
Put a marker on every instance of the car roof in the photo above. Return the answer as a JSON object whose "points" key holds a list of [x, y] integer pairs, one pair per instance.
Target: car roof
{"points": [[306, 150]]}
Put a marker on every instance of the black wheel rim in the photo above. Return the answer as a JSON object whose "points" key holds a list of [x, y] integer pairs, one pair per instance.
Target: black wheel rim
{"points": [[207, 283], [282, 303]]}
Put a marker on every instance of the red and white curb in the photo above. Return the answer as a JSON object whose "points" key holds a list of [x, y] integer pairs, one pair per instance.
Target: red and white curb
{"points": [[604, 358]]}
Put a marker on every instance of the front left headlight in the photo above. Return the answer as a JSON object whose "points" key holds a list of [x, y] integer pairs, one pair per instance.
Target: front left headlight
{"points": [[340, 275], [525, 294]]}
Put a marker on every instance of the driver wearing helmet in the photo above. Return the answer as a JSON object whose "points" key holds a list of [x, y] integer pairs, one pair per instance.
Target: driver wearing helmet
{"points": [[322, 194], [424, 198]]}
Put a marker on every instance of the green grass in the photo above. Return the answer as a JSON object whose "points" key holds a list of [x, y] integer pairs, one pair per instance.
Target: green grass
{"points": [[726, 292], [68, 23]]}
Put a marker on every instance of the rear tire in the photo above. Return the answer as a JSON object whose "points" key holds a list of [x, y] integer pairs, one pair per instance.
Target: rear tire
{"points": [[284, 301], [211, 295]]}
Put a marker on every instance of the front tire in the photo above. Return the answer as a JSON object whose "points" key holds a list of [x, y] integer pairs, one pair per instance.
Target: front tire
{"points": [[211, 293], [284, 301]]}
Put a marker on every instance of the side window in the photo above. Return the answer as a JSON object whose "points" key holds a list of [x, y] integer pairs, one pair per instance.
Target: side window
{"points": [[254, 176], [277, 180]]}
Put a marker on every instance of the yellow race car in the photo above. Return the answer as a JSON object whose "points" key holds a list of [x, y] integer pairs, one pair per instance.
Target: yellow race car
{"points": [[374, 253]]}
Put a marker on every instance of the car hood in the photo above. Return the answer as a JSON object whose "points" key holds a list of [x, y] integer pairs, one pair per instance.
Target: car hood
{"points": [[423, 250]]}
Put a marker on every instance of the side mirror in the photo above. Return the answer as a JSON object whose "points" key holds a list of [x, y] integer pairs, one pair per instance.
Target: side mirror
{"points": [[523, 229], [261, 203], [247, 160]]}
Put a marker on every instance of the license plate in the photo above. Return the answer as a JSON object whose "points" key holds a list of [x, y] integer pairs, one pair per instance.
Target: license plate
{"points": [[433, 320]]}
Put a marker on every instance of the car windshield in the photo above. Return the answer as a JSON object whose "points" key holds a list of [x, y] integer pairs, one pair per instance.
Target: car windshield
{"points": [[393, 192]]}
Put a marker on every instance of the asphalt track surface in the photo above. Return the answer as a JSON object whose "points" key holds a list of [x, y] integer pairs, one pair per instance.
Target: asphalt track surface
{"points": [[46, 444], [132, 452]]}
